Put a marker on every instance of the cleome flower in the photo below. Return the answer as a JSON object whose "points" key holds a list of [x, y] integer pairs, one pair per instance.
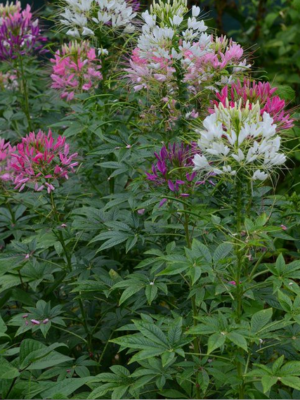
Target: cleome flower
{"points": [[176, 58], [75, 69], [86, 17], [19, 33], [238, 138], [40, 160], [173, 169], [253, 92], [6, 151]]}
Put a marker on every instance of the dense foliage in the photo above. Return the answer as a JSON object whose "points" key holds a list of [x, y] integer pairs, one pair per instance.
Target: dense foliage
{"points": [[146, 250]]}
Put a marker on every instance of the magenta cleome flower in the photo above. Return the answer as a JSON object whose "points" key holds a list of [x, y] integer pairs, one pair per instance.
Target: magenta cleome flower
{"points": [[253, 92], [173, 169], [40, 159], [6, 151], [19, 33], [76, 69]]}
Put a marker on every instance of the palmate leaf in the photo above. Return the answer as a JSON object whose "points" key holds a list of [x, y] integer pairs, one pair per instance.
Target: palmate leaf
{"points": [[153, 333]]}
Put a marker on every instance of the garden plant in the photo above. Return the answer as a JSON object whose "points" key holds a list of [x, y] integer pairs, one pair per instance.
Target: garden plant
{"points": [[149, 225]]}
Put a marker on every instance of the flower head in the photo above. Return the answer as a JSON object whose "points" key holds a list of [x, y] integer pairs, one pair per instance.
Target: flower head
{"points": [[9, 8], [19, 33], [87, 17], [175, 54], [253, 92], [172, 169], [6, 151], [237, 138], [40, 160], [75, 69]]}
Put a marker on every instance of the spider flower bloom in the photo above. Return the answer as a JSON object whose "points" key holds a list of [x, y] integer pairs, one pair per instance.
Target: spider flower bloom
{"points": [[9, 8], [173, 169], [253, 92], [19, 33], [75, 69], [5, 161], [239, 139], [40, 159], [87, 17]]}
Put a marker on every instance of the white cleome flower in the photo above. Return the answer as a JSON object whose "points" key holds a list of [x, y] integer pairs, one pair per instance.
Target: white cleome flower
{"points": [[84, 17], [239, 139]]}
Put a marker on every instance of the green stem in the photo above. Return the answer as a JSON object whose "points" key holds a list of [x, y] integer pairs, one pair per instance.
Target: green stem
{"points": [[69, 265], [239, 270], [25, 94], [197, 347]]}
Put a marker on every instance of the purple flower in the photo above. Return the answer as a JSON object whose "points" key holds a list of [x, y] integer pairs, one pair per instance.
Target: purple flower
{"points": [[135, 4], [173, 169], [19, 34]]}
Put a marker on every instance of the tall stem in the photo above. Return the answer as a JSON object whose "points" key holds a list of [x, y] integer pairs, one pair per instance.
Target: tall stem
{"points": [[239, 270], [197, 347], [25, 93], [69, 265]]}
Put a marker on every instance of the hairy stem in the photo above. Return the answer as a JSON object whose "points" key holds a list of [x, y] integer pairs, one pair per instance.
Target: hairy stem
{"points": [[25, 93]]}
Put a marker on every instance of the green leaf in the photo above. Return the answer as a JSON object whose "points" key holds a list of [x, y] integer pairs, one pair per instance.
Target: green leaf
{"points": [[201, 251], [130, 291], [291, 381], [150, 292], [285, 301], [268, 381], [172, 394], [215, 341], [238, 339], [222, 252], [7, 371], [65, 387], [260, 319], [290, 368]]}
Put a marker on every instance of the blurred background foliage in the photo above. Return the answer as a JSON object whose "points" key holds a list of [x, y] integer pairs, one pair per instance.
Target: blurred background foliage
{"points": [[269, 31]]}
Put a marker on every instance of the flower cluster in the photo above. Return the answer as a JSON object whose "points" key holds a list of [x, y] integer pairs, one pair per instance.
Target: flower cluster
{"points": [[173, 168], [253, 92], [238, 138], [6, 151], [9, 8], [40, 159], [76, 69], [86, 17], [19, 33], [174, 50]]}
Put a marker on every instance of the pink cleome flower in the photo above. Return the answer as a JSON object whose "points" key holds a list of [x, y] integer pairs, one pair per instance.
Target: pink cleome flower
{"points": [[41, 159], [19, 33], [253, 92], [6, 151], [76, 69]]}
